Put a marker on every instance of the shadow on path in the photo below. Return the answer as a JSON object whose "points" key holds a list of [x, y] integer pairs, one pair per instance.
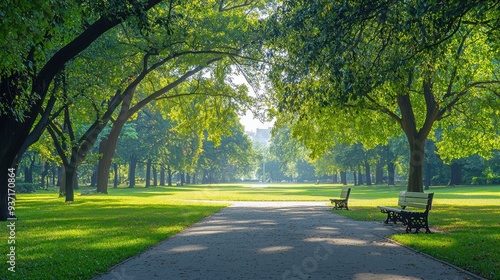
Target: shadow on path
{"points": [[282, 240]]}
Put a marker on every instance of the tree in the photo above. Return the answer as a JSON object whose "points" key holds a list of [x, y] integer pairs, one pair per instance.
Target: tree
{"points": [[203, 35], [230, 158], [49, 40], [352, 70], [291, 155]]}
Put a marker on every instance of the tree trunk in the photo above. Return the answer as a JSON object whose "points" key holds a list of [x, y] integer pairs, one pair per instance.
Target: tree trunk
{"points": [[162, 175], [148, 173], [455, 174], [155, 176], [60, 176], [390, 173], [55, 170], [131, 171], [102, 172], [62, 183], [28, 175], [360, 176], [417, 137], [70, 178], [28, 171], [169, 176], [188, 179], [368, 174], [181, 178], [108, 147], [44, 174], [115, 180], [355, 178], [343, 178], [415, 177]]}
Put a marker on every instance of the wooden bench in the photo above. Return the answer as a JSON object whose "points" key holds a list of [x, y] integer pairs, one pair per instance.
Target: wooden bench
{"points": [[417, 217], [343, 200]]}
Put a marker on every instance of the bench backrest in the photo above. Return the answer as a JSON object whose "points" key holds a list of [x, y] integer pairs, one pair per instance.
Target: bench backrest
{"points": [[416, 199], [344, 194]]}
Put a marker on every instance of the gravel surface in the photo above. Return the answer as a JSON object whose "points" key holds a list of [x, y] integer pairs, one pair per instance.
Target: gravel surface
{"points": [[283, 240]]}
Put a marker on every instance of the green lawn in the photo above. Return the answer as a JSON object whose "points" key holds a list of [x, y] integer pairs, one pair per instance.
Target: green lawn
{"points": [[78, 240], [57, 240]]}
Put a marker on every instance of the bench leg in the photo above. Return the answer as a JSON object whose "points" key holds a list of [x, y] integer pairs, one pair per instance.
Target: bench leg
{"points": [[339, 204], [391, 216], [416, 221]]}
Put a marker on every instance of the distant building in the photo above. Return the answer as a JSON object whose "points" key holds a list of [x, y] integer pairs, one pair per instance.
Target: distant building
{"points": [[262, 135]]}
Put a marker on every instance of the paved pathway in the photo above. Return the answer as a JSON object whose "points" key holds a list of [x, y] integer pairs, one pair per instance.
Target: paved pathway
{"points": [[282, 240]]}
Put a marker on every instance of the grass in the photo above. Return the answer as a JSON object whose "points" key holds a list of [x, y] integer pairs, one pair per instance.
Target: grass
{"points": [[57, 240], [81, 239]]}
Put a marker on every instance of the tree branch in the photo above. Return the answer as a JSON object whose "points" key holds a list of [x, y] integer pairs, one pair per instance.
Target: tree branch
{"points": [[170, 86], [54, 132], [458, 95], [383, 109]]}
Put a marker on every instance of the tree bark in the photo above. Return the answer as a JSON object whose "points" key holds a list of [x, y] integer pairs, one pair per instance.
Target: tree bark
{"points": [[162, 175], [182, 178], [54, 173], [28, 171], [360, 176], [368, 174], [155, 176], [390, 173], [455, 174], [115, 180], [148, 173], [69, 172], [44, 174], [131, 173], [415, 178], [169, 176], [62, 183], [102, 179], [343, 178]]}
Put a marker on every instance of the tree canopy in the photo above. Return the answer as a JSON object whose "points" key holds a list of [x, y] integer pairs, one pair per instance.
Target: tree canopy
{"points": [[349, 71]]}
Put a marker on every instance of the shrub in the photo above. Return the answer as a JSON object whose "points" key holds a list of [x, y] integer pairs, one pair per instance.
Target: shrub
{"points": [[486, 180], [26, 187]]}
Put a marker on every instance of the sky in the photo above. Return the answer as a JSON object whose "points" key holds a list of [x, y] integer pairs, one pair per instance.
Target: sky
{"points": [[251, 124], [248, 120]]}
